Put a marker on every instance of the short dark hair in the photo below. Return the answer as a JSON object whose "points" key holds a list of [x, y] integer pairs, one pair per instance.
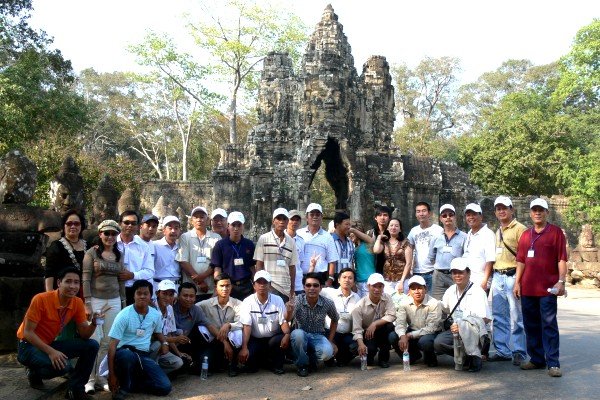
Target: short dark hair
{"points": [[66, 216], [187, 285], [339, 217], [313, 275], [222, 277], [68, 270], [127, 213], [141, 283], [424, 203], [347, 269], [383, 209]]}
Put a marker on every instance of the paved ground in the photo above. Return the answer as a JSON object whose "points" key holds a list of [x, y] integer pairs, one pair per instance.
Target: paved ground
{"points": [[579, 317]]}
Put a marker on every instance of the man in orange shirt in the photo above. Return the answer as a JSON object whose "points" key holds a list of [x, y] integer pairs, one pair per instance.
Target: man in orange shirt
{"points": [[46, 317]]}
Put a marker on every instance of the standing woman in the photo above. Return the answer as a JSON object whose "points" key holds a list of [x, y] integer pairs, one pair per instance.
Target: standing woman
{"points": [[68, 251], [393, 248], [364, 259], [102, 290]]}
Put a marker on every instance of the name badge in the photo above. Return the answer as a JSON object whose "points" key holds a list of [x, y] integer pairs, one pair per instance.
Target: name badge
{"points": [[499, 250], [344, 315], [201, 260], [447, 249], [281, 263], [262, 320], [344, 261], [530, 253], [238, 261], [140, 332], [458, 314]]}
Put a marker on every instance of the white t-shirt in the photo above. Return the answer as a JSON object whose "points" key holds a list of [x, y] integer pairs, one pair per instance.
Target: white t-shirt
{"points": [[420, 238], [479, 249]]}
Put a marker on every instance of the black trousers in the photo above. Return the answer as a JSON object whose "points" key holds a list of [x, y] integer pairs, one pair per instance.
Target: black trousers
{"points": [[380, 343]]}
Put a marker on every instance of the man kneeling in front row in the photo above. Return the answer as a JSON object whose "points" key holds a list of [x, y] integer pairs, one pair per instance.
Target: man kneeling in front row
{"points": [[46, 317]]}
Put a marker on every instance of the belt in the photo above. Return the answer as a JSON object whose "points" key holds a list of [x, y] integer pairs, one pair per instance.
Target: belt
{"points": [[423, 273], [175, 281], [507, 272], [241, 281], [443, 271]]}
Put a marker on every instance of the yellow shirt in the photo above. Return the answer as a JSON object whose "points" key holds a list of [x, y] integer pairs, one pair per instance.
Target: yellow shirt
{"points": [[511, 235]]}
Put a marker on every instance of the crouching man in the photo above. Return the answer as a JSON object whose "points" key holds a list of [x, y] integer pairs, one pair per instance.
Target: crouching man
{"points": [[130, 366], [47, 315]]}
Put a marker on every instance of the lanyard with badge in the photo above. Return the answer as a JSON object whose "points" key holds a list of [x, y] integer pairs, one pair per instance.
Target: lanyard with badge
{"points": [[139, 332], [345, 314], [344, 257], [530, 253], [238, 261], [447, 248], [201, 259], [263, 318], [499, 247], [280, 256]]}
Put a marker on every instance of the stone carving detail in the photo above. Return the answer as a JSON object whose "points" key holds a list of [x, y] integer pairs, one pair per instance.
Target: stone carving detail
{"points": [[66, 189], [586, 250], [18, 178], [129, 201]]}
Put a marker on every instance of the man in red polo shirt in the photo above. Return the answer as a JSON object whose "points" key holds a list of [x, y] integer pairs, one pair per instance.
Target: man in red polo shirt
{"points": [[541, 266], [47, 358]]}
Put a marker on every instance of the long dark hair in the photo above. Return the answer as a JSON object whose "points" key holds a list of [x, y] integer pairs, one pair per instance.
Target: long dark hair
{"points": [[115, 249], [400, 234], [66, 216]]}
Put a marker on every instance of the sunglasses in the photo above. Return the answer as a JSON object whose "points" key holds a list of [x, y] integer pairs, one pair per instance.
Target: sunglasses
{"points": [[312, 285], [129, 223], [73, 223], [447, 215], [110, 233]]}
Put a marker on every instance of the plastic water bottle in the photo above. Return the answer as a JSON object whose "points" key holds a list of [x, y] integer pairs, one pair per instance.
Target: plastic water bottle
{"points": [[406, 360], [99, 320], [554, 291], [363, 362], [204, 372]]}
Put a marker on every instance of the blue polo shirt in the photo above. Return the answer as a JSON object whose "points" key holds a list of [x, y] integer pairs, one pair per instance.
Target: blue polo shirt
{"points": [[225, 251], [128, 321], [441, 257]]}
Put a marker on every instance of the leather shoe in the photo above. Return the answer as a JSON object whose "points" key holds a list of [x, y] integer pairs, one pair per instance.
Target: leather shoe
{"points": [[232, 371], [475, 364], [302, 371], [498, 357], [35, 382], [278, 371], [530, 365], [384, 364]]}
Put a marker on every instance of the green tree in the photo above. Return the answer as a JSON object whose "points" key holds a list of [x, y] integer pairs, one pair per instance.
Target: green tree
{"points": [[239, 39]]}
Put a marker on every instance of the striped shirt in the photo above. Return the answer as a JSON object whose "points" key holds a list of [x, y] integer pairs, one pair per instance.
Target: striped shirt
{"points": [[345, 250], [269, 249], [312, 319]]}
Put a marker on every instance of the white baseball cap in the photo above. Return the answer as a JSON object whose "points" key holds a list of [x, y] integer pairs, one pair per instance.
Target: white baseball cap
{"points": [[314, 206], [503, 200], [170, 218], [539, 202], [447, 207], [375, 278], [198, 208], [459, 264], [236, 216], [218, 211], [281, 211], [167, 284], [473, 207], [262, 274], [418, 279]]}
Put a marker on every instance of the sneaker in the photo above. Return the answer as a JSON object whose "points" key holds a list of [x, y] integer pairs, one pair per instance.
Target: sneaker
{"points": [[498, 357], [554, 372], [518, 359], [90, 388], [35, 382], [529, 366], [475, 364]]}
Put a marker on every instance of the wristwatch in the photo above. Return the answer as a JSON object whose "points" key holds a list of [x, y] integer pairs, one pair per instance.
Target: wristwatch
{"points": [[165, 343], [561, 281]]}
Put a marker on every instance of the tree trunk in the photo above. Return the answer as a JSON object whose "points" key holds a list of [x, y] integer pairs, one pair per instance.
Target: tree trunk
{"points": [[232, 114]]}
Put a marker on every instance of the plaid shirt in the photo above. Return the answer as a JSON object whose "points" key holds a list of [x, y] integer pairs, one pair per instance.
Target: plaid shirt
{"points": [[312, 319]]}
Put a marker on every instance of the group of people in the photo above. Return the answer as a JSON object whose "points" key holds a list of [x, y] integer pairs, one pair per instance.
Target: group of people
{"points": [[136, 311]]}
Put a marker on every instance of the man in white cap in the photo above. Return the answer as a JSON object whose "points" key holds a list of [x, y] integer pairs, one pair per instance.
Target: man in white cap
{"points": [[319, 243], [266, 333], [233, 255], [418, 322], [541, 267], [444, 248], [218, 222], [276, 253], [419, 239], [373, 323], [195, 250], [480, 249], [467, 305], [165, 265], [509, 334]]}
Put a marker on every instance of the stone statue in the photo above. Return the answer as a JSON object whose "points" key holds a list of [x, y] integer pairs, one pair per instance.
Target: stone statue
{"points": [[66, 189], [585, 247], [105, 200], [18, 178], [129, 201]]}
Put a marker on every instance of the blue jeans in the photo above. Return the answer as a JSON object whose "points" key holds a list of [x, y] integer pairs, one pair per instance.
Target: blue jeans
{"points": [[314, 344], [541, 328], [39, 363], [509, 333], [428, 280], [137, 372]]}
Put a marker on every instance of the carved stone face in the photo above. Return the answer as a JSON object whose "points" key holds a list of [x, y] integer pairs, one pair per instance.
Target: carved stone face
{"points": [[104, 207], [65, 198]]}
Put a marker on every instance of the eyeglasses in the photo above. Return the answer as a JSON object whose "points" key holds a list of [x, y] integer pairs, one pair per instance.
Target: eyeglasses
{"points": [[312, 285], [447, 215], [73, 223], [110, 233], [129, 223]]}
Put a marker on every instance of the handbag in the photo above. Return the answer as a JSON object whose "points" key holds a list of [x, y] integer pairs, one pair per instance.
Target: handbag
{"points": [[449, 320]]}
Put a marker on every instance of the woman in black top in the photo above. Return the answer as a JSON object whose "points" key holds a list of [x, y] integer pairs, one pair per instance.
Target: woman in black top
{"points": [[68, 251]]}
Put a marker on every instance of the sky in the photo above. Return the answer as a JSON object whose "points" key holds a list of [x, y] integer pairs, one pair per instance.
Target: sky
{"points": [[481, 33]]}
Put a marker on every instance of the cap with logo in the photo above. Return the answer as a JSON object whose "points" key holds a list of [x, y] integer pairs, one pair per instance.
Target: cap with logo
{"points": [[236, 216], [447, 207], [167, 284], [473, 207], [149, 217], [539, 202], [314, 207], [505, 201]]}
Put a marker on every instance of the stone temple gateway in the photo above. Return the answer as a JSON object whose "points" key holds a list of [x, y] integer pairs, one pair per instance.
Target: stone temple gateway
{"points": [[329, 114]]}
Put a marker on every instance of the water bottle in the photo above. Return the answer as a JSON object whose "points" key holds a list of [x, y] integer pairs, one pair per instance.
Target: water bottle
{"points": [[99, 320], [554, 291], [363, 362], [204, 372], [406, 360]]}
